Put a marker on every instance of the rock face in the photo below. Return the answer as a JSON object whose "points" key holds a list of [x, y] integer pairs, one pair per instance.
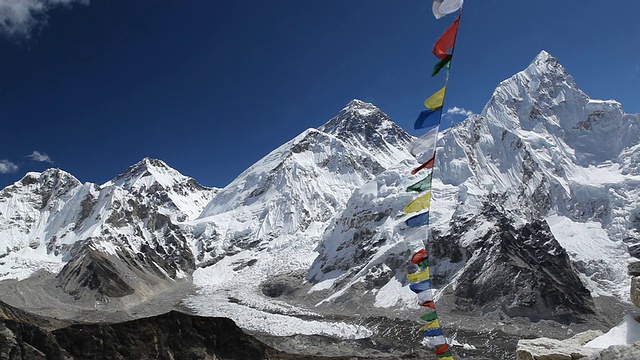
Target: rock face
{"points": [[634, 272], [551, 349], [522, 271], [169, 336], [631, 352]]}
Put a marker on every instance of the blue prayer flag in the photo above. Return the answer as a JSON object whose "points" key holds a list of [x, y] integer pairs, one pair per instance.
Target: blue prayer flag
{"points": [[433, 332], [428, 118], [420, 286], [418, 220]]}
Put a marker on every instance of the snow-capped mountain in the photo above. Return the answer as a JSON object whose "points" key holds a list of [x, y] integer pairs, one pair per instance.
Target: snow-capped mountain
{"points": [[91, 235], [543, 150], [533, 209]]}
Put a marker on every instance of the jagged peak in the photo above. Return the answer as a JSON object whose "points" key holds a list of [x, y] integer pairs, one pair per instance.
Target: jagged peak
{"points": [[359, 117], [51, 177], [147, 170], [359, 105], [544, 56], [545, 63], [543, 84]]}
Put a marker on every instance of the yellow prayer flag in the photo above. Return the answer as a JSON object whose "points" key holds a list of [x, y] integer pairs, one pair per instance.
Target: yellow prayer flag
{"points": [[431, 325], [420, 203], [419, 276], [435, 101]]}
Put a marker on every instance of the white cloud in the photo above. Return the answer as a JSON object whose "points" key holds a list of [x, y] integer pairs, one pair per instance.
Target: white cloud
{"points": [[7, 167], [38, 156], [18, 18], [459, 111]]}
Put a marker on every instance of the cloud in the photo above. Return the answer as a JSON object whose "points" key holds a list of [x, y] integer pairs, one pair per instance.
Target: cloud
{"points": [[19, 18], [7, 167], [459, 111], [38, 156]]}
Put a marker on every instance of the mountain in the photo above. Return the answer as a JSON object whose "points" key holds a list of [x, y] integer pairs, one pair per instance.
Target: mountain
{"points": [[543, 150], [529, 216], [101, 241], [533, 220]]}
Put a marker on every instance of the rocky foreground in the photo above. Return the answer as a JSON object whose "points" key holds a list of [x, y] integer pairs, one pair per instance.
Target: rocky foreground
{"points": [[173, 335]]}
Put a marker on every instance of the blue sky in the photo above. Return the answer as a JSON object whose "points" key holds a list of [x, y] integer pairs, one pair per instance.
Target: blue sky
{"points": [[212, 86]]}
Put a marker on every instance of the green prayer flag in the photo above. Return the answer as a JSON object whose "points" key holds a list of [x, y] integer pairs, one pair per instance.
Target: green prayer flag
{"points": [[422, 185], [442, 63], [447, 354], [431, 316]]}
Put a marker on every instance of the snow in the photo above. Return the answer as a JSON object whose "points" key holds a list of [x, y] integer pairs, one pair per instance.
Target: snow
{"points": [[626, 333], [393, 294], [250, 310], [604, 261], [257, 319], [326, 284]]}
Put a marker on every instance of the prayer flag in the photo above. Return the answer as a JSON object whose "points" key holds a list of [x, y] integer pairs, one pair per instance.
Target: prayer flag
{"points": [[433, 117], [422, 185], [428, 317], [418, 220], [424, 147], [420, 203], [434, 341], [442, 349], [429, 304], [435, 101], [426, 165], [433, 332], [419, 276], [419, 256], [442, 8], [431, 325], [446, 41], [425, 296], [420, 286], [442, 63]]}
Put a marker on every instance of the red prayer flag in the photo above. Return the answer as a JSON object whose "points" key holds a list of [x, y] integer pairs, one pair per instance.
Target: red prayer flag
{"points": [[442, 349], [427, 165], [429, 304], [419, 256], [446, 41]]}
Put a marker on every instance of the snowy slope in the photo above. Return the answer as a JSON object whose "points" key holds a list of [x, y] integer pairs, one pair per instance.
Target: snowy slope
{"points": [[50, 218], [268, 221]]}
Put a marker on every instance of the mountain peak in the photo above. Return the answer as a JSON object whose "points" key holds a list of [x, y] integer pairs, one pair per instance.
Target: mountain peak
{"points": [[364, 125], [356, 117], [50, 177], [533, 92], [357, 104], [147, 171], [545, 63], [544, 56]]}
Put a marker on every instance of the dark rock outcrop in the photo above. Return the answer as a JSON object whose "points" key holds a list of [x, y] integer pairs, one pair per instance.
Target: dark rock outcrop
{"points": [[521, 271], [173, 335]]}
